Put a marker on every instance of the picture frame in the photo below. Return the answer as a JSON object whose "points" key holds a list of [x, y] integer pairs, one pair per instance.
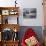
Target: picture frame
{"points": [[10, 19], [29, 12], [13, 12], [5, 12]]}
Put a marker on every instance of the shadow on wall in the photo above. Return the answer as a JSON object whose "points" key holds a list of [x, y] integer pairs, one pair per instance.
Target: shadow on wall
{"points": [[37, 29]]}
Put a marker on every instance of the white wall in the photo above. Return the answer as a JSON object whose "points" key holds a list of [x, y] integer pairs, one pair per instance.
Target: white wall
{"points": [[33, 4], [27, 4]]}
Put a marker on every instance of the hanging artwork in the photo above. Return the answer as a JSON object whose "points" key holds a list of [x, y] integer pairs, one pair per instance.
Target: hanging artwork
{"points": [[29, 13]]}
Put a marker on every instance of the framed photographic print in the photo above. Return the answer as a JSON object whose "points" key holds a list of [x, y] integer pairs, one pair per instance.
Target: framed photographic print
{"points": [[13, 12], [29, 12], [12, 20], [5, 12]]}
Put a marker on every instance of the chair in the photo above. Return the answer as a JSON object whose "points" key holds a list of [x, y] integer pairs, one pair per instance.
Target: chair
{"points": [[28, 34]]}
